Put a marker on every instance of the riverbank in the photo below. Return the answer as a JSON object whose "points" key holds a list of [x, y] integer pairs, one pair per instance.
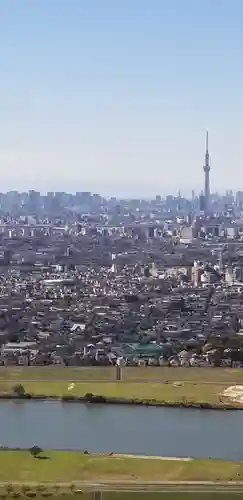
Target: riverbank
{"points": [[99, 399], [173, 387], [70, 467]]}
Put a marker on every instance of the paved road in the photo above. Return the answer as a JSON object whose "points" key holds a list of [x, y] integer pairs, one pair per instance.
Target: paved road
{"points": [[102, 381], [146, 486]]}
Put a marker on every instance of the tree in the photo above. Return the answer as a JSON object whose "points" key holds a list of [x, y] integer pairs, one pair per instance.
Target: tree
{"points": [[19, 389], [35, 451]]}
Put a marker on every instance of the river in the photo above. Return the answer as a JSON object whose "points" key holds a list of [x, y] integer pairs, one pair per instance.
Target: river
{"points": [[122, 429]]}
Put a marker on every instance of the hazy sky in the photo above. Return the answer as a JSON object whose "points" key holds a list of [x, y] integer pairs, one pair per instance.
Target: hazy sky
{"points": [[115, 96]]}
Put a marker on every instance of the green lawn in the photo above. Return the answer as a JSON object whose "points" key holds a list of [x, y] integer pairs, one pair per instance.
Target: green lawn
{"points": [[137, 390], [159, 391], [201, 385], [19, 466]]}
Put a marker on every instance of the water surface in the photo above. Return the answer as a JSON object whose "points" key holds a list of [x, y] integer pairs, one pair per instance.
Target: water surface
{"points": [[122, 429]]}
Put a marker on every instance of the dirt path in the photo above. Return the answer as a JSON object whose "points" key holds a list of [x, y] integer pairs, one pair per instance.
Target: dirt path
{"points": [[146, 457]]}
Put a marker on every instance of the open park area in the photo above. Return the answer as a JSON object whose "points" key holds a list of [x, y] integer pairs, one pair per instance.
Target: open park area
{"points": [[197, 385], [65, 468], [62, 474]]}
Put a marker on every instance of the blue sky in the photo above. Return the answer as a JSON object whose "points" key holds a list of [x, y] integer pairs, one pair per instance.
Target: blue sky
{"points": [[115, 96]]}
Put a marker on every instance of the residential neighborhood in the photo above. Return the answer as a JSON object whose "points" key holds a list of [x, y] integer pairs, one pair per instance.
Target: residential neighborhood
{"points": [[78, 290]]}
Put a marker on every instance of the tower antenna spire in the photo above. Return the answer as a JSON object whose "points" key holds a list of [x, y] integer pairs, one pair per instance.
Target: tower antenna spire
{"points": [[206, 169]]}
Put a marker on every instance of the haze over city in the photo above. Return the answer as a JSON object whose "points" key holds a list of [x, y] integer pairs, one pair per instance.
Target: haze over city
{"points": [[115, 97]]}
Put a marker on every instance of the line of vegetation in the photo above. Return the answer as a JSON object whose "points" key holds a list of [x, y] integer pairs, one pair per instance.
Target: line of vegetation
{"points": [[41, 491]]}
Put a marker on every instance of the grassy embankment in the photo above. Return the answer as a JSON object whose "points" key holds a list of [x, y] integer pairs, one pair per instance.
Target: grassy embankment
{"points": [[63, 473], [70, 467], [199, 385]]}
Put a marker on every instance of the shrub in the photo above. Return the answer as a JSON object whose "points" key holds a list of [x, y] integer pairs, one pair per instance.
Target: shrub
{"points": [[69, 398], [28, 395], [92, 398]]}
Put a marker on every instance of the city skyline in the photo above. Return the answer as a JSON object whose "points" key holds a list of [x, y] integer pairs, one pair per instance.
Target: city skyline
{"points": [[176, 195], [116, 99]]}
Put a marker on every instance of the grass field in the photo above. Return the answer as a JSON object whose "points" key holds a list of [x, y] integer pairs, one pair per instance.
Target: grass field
{"points": [[68, 467], [201, 385], [60, 470], [153, 390]]}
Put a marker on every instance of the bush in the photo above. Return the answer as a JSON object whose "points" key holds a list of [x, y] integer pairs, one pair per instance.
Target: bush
{"points": [[28, 395], [89, 395], [69, 398], [92, 398]]}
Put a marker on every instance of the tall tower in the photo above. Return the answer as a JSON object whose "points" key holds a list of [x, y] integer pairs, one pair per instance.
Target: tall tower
{"points": [[206, 169]]}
